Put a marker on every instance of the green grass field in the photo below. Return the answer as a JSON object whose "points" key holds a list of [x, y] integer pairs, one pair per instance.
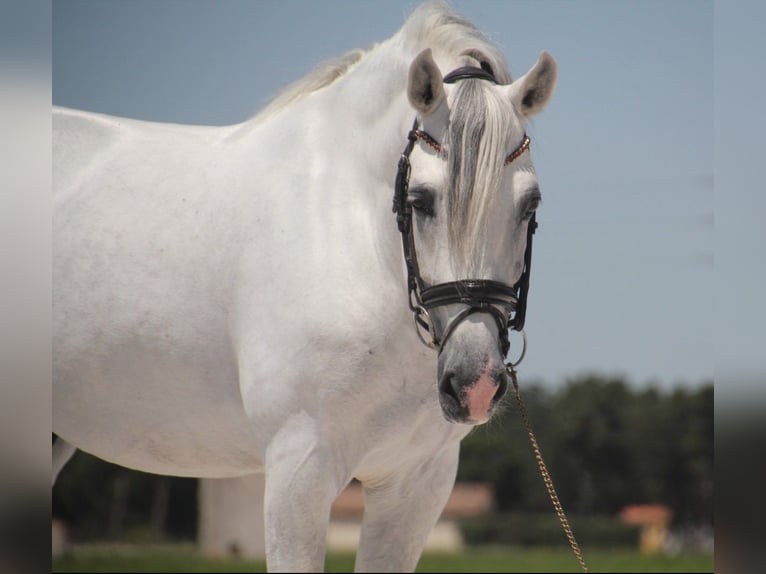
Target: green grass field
{"points": [[182, 558]]}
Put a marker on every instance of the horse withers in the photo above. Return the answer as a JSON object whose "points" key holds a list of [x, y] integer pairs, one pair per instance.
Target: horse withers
{"points": [[232, 300]]}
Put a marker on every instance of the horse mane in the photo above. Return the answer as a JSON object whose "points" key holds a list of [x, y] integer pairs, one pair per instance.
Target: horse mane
{"points": [[321, 76], [431, 25], [434, 25]]}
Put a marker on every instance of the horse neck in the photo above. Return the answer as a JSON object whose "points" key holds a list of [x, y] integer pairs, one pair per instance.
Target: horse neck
{"points": [[373, 101], [355, 129], [376, 120]]}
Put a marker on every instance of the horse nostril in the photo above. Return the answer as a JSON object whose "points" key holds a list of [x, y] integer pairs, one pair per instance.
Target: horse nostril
{"points": [[447, 385]]}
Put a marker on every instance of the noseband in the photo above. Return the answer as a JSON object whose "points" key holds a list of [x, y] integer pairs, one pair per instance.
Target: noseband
{"points": [[505, 303]]}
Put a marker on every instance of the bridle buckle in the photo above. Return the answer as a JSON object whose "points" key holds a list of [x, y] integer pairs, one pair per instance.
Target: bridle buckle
{"points": [[423, 320]]}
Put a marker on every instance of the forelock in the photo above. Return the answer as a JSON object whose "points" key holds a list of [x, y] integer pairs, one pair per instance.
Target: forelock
{"points": [[478, 138]]}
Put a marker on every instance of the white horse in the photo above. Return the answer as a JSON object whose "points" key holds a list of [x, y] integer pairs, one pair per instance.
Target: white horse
{"points": [[232, 300]]}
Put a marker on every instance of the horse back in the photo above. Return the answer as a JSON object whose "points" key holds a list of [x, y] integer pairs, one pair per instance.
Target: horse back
{"points": [[79, 138]]}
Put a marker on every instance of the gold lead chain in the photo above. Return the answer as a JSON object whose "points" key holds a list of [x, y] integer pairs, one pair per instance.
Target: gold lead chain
{"points": [[546, 476]]}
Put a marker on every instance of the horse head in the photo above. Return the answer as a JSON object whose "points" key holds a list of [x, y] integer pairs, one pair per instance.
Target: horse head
{"points": [[467, 193]]}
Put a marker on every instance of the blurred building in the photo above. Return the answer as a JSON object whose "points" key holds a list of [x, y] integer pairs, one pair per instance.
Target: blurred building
{"points": [[231, 517], [654, 521]]}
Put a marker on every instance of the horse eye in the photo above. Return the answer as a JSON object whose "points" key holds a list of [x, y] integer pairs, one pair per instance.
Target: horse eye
{"points": [[531, 208], [422, 201]]}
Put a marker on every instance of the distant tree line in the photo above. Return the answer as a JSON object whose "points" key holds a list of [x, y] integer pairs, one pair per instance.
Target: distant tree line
{"points": [[606, 444]]}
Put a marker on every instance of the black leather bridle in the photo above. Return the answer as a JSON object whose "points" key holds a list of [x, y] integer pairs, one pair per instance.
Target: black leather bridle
{"points": [[478, 295]]}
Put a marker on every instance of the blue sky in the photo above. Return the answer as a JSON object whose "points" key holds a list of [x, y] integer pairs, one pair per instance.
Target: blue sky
{"points": [[623, 278]]}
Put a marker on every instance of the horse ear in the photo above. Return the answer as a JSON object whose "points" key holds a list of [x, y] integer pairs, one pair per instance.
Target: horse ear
{"points": [[425, 89], [531, 92]]}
